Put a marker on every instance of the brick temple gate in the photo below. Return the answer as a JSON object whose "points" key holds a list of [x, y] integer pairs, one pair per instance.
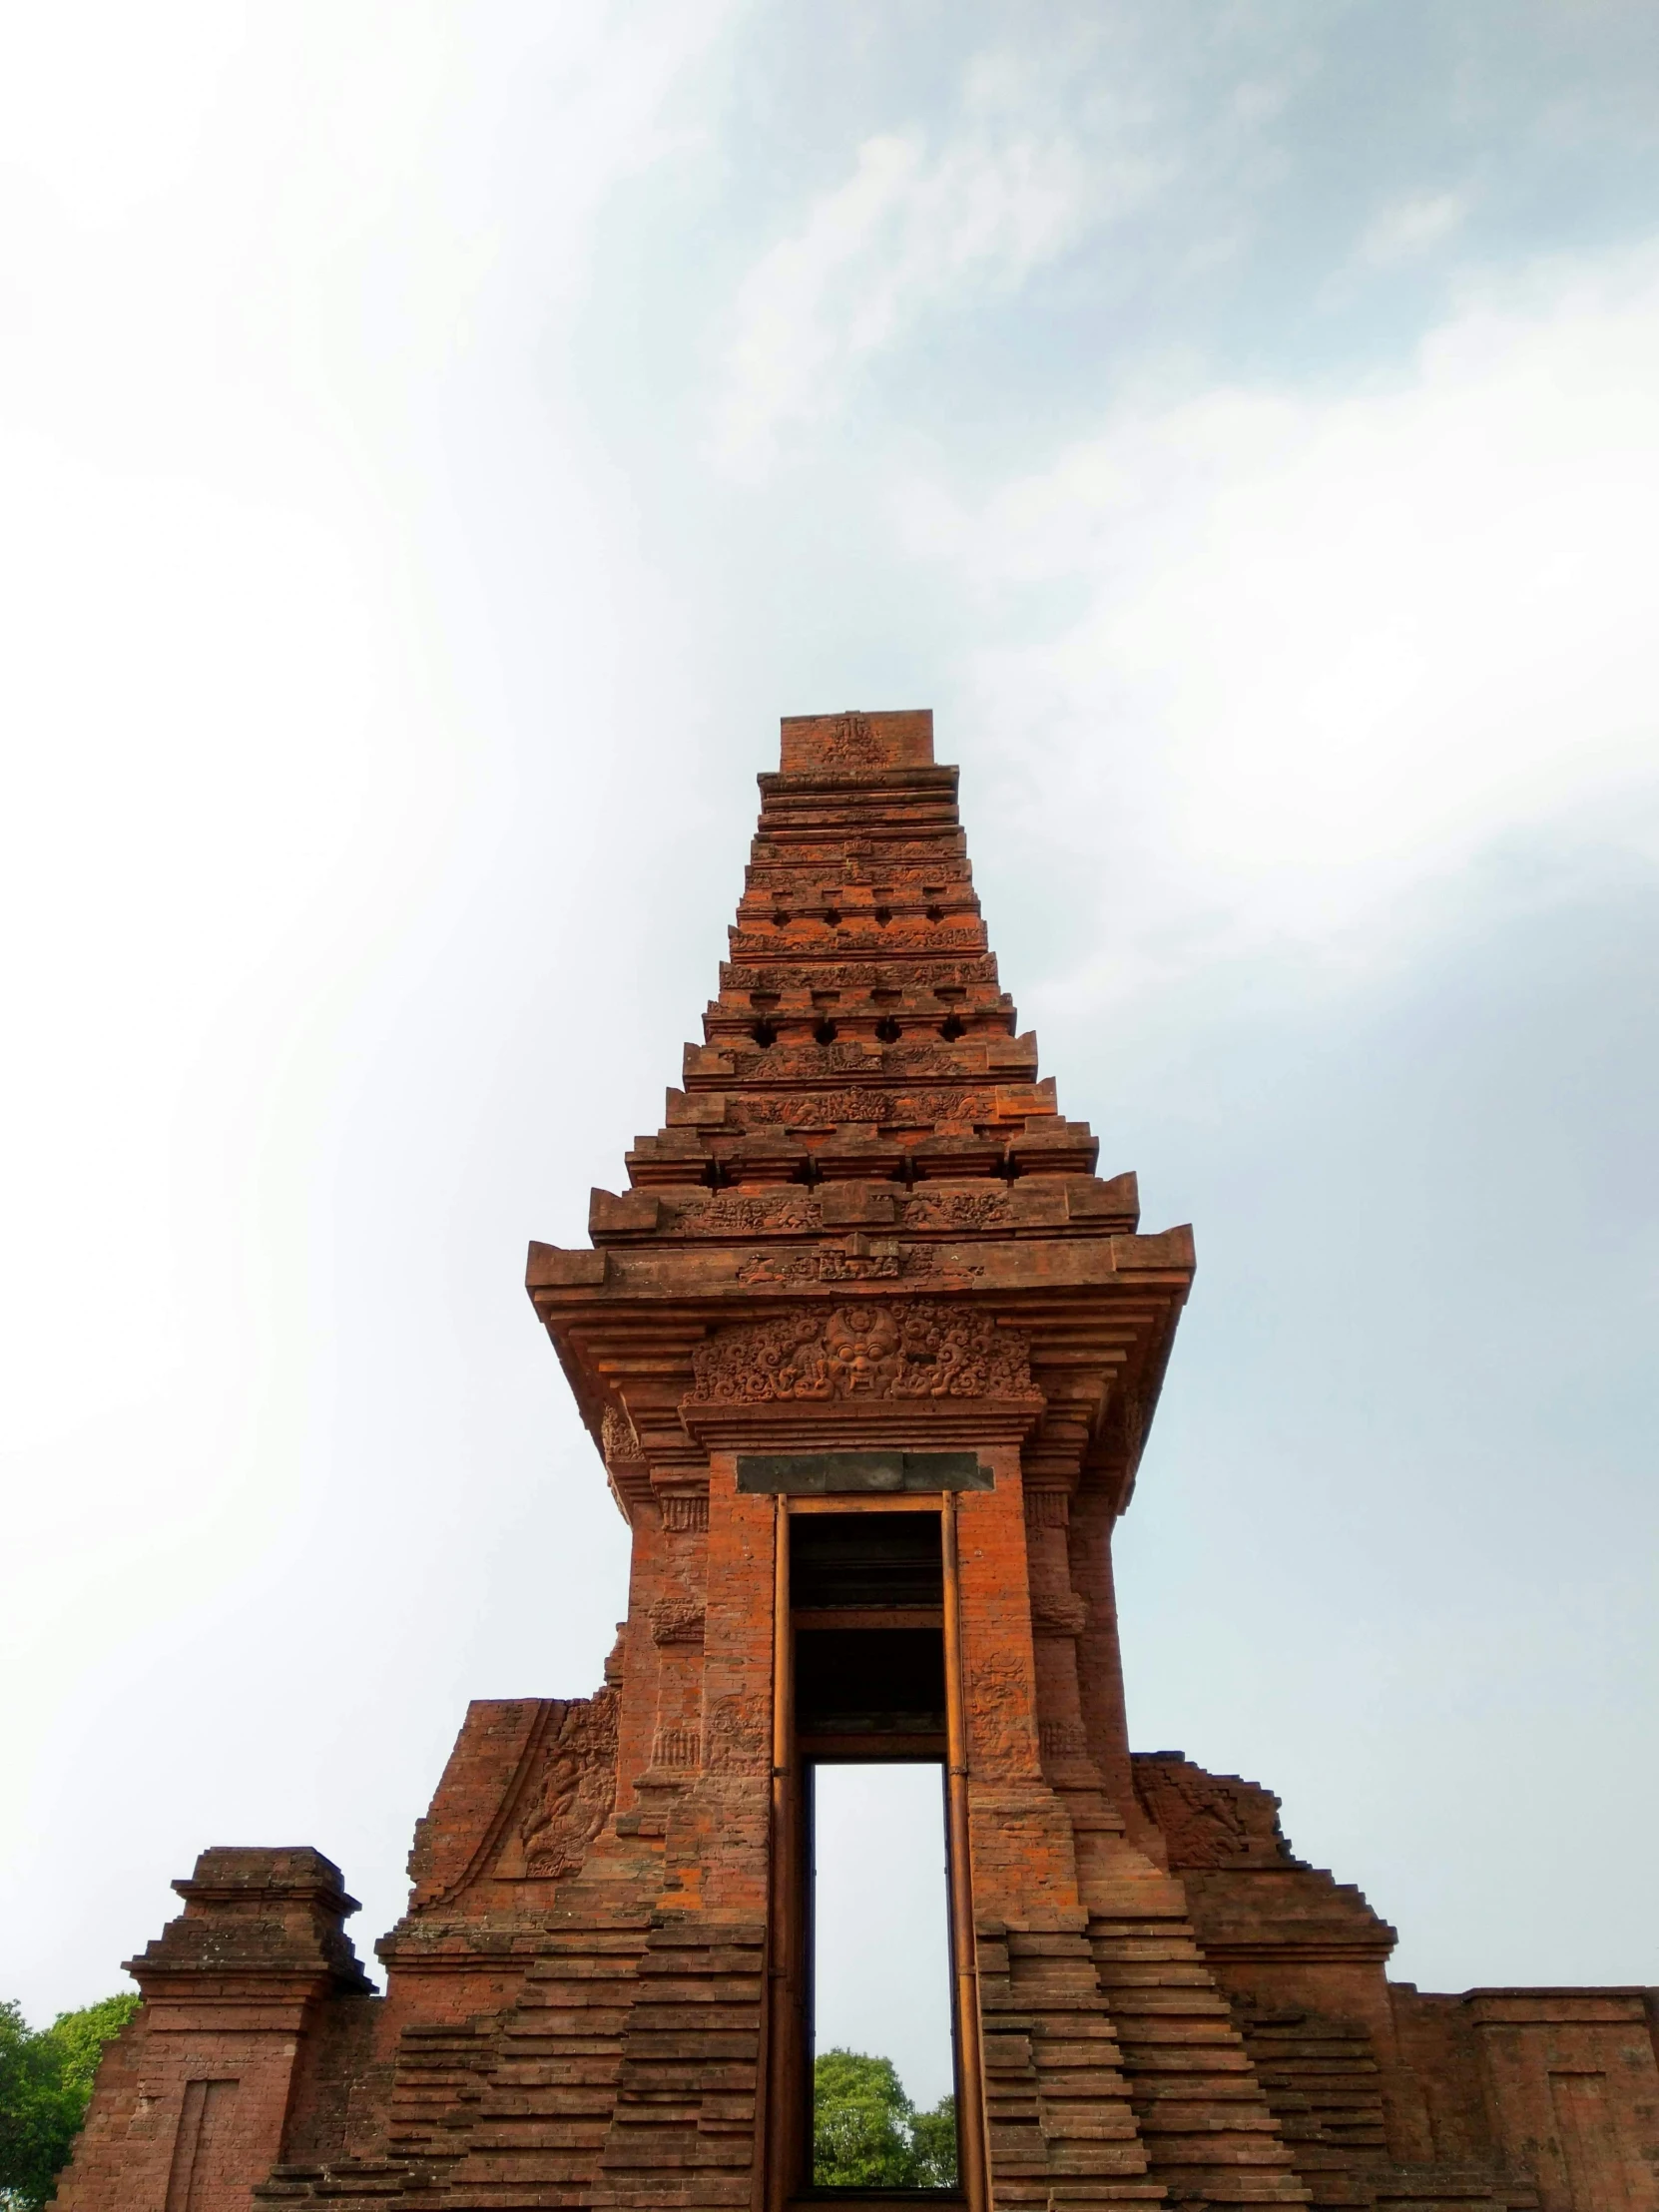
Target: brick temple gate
{"points": [[870, 1353]]}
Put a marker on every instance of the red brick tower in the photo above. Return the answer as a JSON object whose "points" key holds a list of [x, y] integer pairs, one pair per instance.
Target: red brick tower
{"points": [[871, 1354]]}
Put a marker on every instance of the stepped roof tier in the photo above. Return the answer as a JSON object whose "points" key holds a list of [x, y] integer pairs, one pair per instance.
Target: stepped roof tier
{"points": [[864, 1123]]}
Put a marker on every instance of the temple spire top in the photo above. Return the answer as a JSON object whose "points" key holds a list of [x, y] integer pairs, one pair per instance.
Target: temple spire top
{"points": [[860, 1031], [816, 745]]}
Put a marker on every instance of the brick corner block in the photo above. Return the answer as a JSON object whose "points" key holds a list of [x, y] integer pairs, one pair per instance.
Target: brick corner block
{"points": [[193, 2099]]}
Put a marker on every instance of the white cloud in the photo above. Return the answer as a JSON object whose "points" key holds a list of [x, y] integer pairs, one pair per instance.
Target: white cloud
{"points": [[372, 708], [276, 304], [1334, 649], [910, 231], [1406, 227]]}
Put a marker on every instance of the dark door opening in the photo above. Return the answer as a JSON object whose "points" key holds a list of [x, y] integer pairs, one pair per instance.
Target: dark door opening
{"points": [[866, 1599]]}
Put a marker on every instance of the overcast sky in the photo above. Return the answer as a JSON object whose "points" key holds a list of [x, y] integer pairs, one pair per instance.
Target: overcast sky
{"points": [[439, 443]]}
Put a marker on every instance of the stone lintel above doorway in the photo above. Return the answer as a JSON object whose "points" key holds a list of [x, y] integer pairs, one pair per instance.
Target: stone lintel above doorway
{"points": [[822, 1473]]}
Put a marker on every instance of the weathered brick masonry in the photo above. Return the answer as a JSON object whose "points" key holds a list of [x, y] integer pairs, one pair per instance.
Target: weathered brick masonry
{"points": [[865, 1232]]}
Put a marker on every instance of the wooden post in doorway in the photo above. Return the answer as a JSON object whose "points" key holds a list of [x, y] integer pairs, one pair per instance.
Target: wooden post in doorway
{"points": [[971, 2142], [782, 2063]]}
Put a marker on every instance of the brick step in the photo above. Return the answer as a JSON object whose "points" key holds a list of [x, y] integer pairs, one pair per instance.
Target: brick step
{"points": [[681, 2126], [1210, 2133], [1061, 2126], [341, 2181], [1322, 2078], [533, 2132], [1449, 2188]]}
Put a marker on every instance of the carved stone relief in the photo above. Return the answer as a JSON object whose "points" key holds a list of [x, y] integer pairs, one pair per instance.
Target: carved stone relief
{"points": [[739, 1734], [787, 1063], [1059, 1616], [798, 879], [827, 1109], [1209, 1820], [573, 1798], [849, 742], [619, 1440], [881, 1258], [677, 1620], [997, 1694], [920, 1349], [922, 1059], [1062, 1739], [731, 1215], [684, 1514], [676, 1747], [958, 1210], [853, 975], [959, 936]]}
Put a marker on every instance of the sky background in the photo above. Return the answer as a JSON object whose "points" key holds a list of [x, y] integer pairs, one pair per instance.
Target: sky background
{"points": [[437, 444], [880, 1927]]}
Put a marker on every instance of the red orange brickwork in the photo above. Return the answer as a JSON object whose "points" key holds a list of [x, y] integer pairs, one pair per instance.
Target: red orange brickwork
{"points": [[863, 1231]]}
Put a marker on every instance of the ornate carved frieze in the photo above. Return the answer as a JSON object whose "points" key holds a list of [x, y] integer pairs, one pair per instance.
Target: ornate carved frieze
{"points": [[771, 875], [917, 936], [883, 1258], [862, 858], [858, 975], [958, 1210], [920, 1349], [911, 1060], [814, 1063], [798, 1063], [729, 1214], [828, 1109]]}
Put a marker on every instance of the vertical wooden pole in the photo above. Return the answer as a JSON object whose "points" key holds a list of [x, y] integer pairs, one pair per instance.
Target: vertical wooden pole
{"points": [[974, 2148], [782, 2150]]}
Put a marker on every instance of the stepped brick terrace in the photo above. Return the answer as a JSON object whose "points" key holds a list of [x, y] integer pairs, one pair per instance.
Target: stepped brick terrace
{"points": [[868, 1352]]}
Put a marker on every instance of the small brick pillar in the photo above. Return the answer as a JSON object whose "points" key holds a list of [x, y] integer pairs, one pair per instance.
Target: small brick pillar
{"points": [[191, 2103]]}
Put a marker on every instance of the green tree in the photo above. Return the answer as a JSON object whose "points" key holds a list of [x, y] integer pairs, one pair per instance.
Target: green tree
{"points": [[934, 2137], [866, 2134], [45, 2087]]}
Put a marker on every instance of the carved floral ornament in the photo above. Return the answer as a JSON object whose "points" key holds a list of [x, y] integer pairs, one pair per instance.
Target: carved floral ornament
{"points": [[618, 1437], [849, 742], [571, 1798], [920, 1349]]}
